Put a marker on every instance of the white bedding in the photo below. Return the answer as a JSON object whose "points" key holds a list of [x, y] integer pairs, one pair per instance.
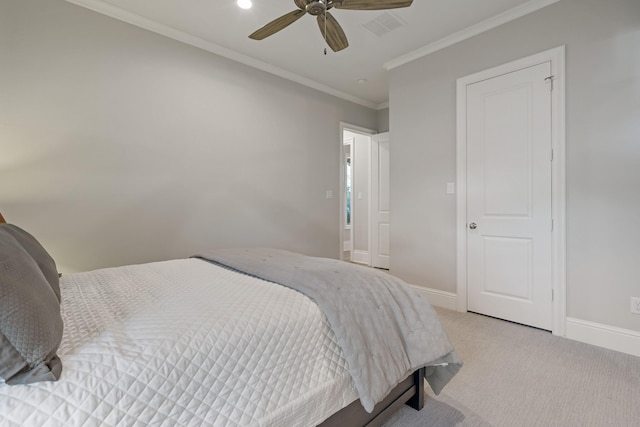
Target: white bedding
{"points": [[185, 343]]}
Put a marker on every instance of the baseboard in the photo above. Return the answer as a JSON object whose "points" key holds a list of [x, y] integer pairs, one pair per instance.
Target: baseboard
{"points": [[438, 298], [361, 257], [611, 337]]}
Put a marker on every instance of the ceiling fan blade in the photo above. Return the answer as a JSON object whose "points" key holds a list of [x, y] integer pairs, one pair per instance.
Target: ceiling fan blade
{"points": [[277, 25], [335, 36], [302, 4], [371, 4]]}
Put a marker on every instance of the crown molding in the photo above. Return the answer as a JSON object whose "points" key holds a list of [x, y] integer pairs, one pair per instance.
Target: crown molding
{"points": [[474, 30], [181, 36]]}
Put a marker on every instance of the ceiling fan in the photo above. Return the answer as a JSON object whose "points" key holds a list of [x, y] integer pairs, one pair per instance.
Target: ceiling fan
{"points": [[329, 27]]}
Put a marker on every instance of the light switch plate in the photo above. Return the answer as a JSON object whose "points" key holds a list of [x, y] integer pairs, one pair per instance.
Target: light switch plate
{"points": [[451, 188]]}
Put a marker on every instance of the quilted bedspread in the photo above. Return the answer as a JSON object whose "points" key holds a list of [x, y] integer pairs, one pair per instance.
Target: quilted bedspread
{"points": [[185, 343], [384, 328]]}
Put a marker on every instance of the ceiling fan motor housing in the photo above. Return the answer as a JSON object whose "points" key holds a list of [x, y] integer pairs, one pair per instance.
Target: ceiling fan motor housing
{"points": [[316, 7]]}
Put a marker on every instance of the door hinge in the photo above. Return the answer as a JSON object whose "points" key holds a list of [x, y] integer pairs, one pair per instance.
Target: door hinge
{"points": [[550, 81], [552, 295], [552, 154]]}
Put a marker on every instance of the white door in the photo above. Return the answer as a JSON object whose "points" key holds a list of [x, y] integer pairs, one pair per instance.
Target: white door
{"points": [[509, 226], [380, 210]]}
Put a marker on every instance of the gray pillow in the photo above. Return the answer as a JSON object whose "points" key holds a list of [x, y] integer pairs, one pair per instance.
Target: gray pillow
{"points": [[38, 253], [30, 321]]}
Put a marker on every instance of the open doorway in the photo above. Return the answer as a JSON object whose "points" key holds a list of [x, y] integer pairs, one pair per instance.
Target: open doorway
{"points": [[346, 224], [364, 196], [356, 196]]}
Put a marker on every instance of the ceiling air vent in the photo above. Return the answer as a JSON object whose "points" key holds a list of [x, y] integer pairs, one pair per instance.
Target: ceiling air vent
{"points": [[383, 24]]}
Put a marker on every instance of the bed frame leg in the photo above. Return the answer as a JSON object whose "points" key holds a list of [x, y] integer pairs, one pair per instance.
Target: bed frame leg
{"points": [[417, 400]]}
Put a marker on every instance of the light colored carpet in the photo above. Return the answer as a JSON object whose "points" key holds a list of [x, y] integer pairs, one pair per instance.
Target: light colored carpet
{"points": [[520, 376]]}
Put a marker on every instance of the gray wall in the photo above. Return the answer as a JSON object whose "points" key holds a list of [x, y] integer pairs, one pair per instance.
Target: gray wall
{"points": [[602, 39], [122, 146], [383, 120]]}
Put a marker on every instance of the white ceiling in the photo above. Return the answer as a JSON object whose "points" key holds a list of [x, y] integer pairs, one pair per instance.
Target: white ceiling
{"points": [[297, 52]]}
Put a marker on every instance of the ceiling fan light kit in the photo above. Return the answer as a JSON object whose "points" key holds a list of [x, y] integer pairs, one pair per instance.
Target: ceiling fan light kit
{"points": [[331, 31], [316, 8]]}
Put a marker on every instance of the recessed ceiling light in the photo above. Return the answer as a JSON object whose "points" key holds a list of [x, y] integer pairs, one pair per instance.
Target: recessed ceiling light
{"points": [[362, 81], [245, 4]]}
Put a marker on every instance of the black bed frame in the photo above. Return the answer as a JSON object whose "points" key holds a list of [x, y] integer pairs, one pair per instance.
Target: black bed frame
{"points": [[410, 392]]}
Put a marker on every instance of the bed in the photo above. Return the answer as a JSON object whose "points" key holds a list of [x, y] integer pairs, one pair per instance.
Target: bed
{"points": [[197, 342]]}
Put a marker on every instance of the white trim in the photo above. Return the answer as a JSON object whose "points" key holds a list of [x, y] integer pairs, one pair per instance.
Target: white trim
{"points": [[181, 36], [461, 196], [361, 257], [438, 298], [611, 337], [370, 198], [559, 191], [474, 30], [356, 129], [557, 58]]}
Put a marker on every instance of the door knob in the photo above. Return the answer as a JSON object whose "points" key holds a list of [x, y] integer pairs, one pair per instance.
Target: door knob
{"points": [[473, 226]]}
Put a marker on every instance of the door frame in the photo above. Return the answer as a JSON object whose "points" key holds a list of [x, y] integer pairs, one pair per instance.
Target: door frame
{"points": [[363, 131], [556, 57]]}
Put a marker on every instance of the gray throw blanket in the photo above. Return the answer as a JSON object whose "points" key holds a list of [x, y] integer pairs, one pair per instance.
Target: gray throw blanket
{"points": [[386, 330]]}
